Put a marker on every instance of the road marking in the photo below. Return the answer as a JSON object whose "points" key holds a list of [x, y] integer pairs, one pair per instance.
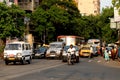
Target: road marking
{"points": [[29, 72]]}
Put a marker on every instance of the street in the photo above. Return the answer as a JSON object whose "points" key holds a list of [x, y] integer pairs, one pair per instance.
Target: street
{"points": [[49, 69]]}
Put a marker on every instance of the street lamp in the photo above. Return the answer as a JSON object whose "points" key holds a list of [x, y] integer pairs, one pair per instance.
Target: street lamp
{"points": [[44, 36], [26, 22]]}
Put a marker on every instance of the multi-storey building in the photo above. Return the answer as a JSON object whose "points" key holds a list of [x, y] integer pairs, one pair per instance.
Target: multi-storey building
{"points": [[28, 5], [88, 7]]}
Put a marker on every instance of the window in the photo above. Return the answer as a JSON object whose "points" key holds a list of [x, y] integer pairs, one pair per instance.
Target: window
{"points": [[19, 0], [13, 47], [23, 47], [95, 11], [11, 0]]}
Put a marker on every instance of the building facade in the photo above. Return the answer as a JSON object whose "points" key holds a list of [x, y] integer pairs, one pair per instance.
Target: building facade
{"points": [[29, 5], [88, 7]]}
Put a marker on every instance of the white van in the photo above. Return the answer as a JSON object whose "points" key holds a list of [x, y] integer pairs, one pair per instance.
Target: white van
{"points": [[17, 52]]}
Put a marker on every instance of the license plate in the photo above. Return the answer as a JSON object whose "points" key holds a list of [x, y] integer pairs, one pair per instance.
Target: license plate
{"points": [[37, 54], [11, 58], [52, 55]]}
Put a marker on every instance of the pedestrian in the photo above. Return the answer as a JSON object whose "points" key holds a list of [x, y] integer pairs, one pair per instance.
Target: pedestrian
{"points": [[118, 54], [106, 54], [114, 53], [91, 52]]}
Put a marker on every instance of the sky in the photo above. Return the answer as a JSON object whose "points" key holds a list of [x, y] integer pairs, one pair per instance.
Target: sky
{"points": [[105, 3]]}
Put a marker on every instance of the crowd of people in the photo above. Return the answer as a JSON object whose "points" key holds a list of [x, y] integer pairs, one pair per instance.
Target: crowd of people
{"points": [[113, 54]]}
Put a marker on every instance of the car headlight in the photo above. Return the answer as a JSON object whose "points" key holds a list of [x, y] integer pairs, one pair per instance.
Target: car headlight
{"points": [[47, 52], [19, 55], [58, 51], [5, 55]]}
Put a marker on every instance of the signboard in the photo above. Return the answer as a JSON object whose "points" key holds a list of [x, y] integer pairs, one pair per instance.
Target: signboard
{"points": [[112, 23], [116, 15], [118, 25]]}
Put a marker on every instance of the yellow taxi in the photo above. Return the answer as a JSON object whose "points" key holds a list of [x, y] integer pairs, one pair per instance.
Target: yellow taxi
{"points": [[85, 51]]}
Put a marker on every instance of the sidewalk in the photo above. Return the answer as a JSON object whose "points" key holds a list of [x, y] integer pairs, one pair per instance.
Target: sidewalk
{"points": [[110, 63], [1, 60]]}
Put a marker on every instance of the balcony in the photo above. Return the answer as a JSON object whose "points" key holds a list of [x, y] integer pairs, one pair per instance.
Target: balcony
{"points": [[28, 5]]}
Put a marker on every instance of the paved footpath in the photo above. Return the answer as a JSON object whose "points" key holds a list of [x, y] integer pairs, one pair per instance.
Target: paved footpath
{"points": [[111, 63], [1, 60]]}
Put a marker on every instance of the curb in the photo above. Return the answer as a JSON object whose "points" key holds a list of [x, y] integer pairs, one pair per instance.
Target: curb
{"points": [[110, 63]]}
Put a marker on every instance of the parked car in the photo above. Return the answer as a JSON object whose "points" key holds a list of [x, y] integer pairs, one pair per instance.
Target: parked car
{"points": [[55, 50], [85, 51], [64, 55], [40, 52]]}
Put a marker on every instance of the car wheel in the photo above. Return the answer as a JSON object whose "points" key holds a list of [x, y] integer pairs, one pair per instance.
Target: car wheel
{"points": [[77, 59], [23, 61], [60, 57], [64, 60], [29, 61], [6, 62], [14, 62]]}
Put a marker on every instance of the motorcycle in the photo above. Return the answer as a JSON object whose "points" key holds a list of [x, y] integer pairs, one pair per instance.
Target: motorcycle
{"points": [[71, 58]]}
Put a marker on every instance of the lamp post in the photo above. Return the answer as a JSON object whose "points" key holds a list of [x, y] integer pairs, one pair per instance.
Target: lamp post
{"points": [[45, 35], [26, 22]]}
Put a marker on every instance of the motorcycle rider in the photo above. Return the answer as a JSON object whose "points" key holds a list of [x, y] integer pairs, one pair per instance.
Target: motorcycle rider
{"points": [[71, 52], [71, 49]]}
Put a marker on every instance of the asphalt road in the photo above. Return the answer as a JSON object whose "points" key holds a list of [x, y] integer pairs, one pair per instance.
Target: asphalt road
{"points": [[42, 69]]}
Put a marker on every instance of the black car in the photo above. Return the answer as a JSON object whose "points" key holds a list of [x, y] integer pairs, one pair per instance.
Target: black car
{"points": [[40, 52]]}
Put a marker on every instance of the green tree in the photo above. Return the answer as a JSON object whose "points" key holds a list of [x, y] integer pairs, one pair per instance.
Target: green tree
{"points": [[11, 23], [108, 34], [116, 3], [57, 17], [97, 26]]}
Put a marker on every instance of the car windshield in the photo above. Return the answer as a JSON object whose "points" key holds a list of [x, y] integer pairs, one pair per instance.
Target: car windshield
{"points": [[13, 47], [67, 47], [85, 48], [41, 49], [94, 49], [55, 45], [109, 48]]}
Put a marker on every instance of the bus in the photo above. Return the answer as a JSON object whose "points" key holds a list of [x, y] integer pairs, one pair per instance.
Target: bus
{"points": [[71, 39]]}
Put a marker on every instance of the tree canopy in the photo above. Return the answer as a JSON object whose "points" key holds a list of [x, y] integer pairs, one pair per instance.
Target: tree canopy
{"points": [[61, 17], [11, 22], [116, 3], [55, 16]]}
